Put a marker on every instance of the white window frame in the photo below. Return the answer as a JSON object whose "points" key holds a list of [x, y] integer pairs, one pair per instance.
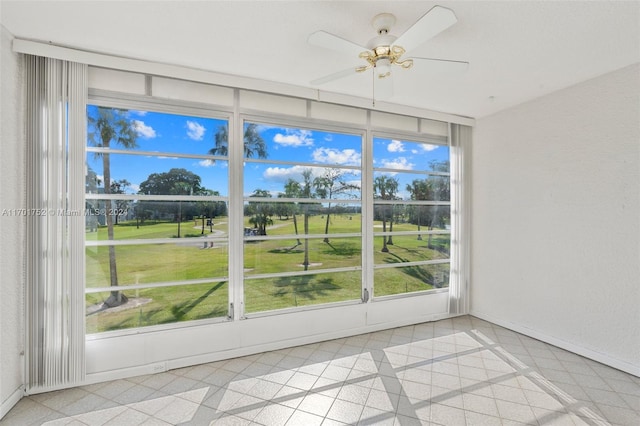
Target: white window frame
{"points": [[236, 199], [417, 138], [312, 125], [136, 102]]}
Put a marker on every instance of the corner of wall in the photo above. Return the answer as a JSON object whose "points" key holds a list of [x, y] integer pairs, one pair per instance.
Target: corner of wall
{"points": [[556, 235]]}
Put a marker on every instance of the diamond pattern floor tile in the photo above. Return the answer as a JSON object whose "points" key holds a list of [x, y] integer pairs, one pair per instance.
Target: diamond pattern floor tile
{"points": [[460, 371]]}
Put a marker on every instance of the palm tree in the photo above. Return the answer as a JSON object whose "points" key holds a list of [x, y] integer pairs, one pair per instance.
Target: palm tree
{"points": [[419, 190], [302, 189], [254, 145], [436, 188], [306, 192], [385, 188], [330, 184], [292, 189], [111, 125], [119, 187], [181, 188]]}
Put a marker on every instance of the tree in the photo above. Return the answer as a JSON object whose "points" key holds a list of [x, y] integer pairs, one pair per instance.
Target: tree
{"points": [[327, 186], [385, 188], [166, 182], [260, 212], [302, 189], [209, 209], [434, 188], [254, 145], [292, 189], [306, 191], [92, 183], [119, 187], [181, 188], [177, 181], [419, 191], [111, 126], [141, 213]]}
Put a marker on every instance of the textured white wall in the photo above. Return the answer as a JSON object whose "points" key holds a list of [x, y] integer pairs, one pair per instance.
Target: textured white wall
{"points": [[556, 218], [12, 196]]}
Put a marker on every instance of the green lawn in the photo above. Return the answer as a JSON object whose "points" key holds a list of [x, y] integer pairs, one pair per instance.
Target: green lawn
{"points": [[139, 264]]}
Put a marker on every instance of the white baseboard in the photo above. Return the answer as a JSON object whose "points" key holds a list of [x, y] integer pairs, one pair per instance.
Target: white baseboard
{"points": [[8, 404], [563, 344], [246, 351]]}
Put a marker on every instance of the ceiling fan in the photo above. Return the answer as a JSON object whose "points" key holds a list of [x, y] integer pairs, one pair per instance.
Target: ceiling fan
{"points": [[385, 51]]}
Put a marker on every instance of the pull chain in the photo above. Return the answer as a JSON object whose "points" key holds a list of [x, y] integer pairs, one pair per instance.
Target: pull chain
{"points": [[373, 86]]}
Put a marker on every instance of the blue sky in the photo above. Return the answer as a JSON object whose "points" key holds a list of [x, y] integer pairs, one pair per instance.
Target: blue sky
{"points": [[177, 134]]}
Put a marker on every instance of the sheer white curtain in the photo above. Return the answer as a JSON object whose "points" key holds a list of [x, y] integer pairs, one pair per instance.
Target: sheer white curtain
{"points": [[460, 201], [56, 93]]}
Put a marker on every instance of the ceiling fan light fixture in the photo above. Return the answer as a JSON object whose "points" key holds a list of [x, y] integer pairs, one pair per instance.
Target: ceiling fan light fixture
{"points": [[383, 68]]}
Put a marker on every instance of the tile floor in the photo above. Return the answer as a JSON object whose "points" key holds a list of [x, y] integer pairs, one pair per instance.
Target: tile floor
{"points": [[461, 371]]}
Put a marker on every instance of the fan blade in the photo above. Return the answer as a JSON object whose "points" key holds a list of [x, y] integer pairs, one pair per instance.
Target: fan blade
{"points": [[334, 76], [333, 42], [440, 65], [432, 23]]}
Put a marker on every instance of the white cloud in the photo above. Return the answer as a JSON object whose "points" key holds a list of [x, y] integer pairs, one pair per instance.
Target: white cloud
{"points": [[428, 147], [195, 130], [138, 113], [143, 130], [211, 163], [395, 146], [294, 138], [134, 188], [399, 163], [345, 157], [282, 174]]}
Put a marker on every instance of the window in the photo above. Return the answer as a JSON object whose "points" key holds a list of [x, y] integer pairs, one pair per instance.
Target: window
{"points": [[202, 205], [412, 216], [302, 217], [156, 219], [162, 246]]}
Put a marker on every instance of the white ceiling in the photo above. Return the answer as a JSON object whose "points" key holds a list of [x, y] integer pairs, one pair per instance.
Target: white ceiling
{"points": [[517, 50]]}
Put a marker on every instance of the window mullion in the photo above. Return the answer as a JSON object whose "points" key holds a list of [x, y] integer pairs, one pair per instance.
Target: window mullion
{"points": [[236, 213], [367, 212]]}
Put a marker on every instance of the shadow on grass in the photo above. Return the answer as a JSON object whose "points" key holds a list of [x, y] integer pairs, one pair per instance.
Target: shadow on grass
{"points": [[397, 259], [181, 309], [307, 287], [415, 251], [287, 250], [178, 312], [416, 272], [342, 249]]}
